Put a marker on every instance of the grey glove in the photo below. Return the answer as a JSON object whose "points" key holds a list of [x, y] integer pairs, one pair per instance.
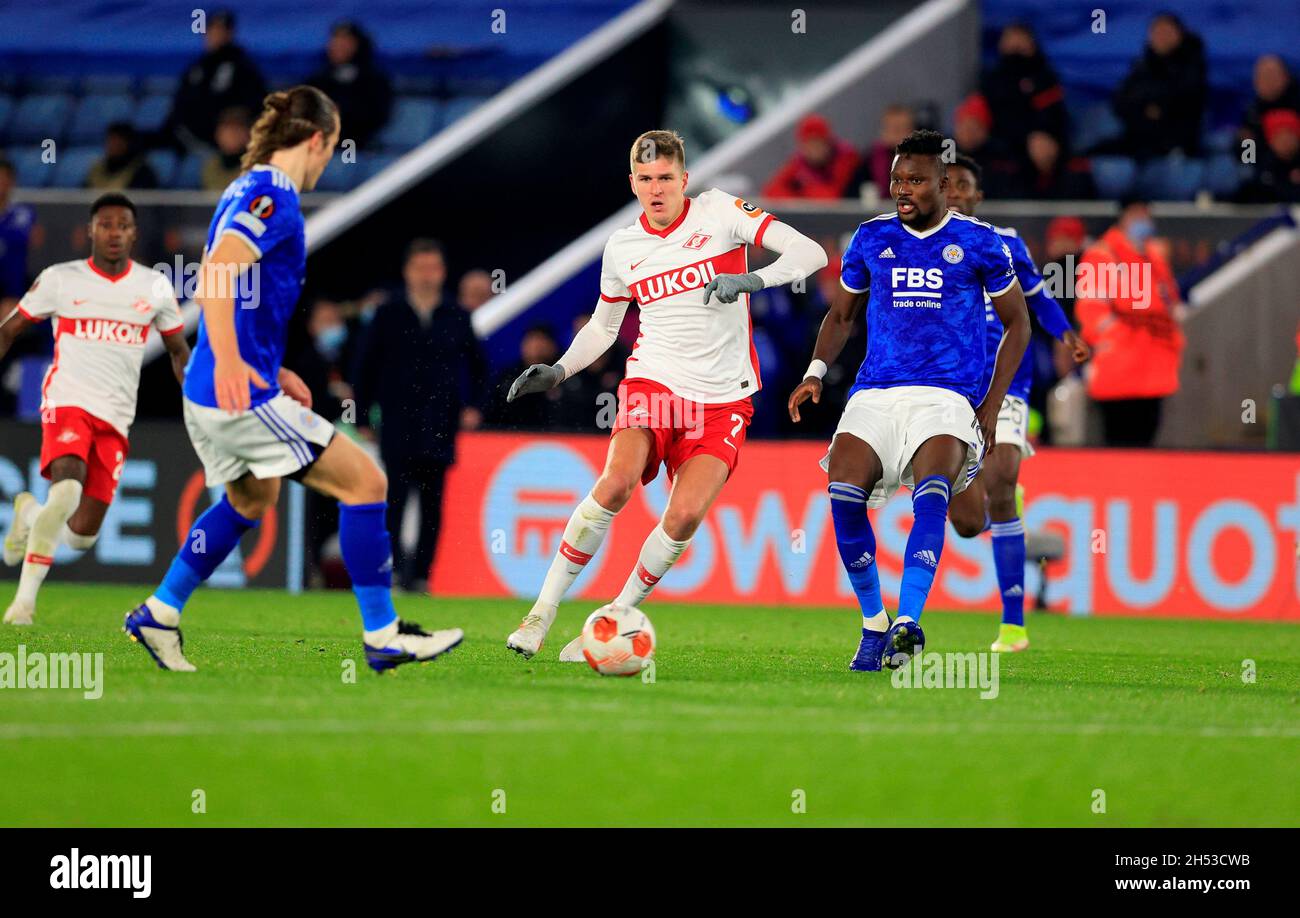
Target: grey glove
{"points": [[537, 378], [729, 287]]}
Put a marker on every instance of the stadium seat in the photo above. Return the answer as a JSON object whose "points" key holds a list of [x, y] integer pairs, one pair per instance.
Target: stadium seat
{"points": [[413, 122], [1172, 178], [460, 107], [159, 85], [189, 172], [6, 109], [32, 172], [151, 112], [341, 176], [1224, 174], [405, 84], [40, 117], [1095, 124], [73, 165], [1113, 175], [163, 163], [374, 163], [95, 113], [43, 84], [108, 84]]}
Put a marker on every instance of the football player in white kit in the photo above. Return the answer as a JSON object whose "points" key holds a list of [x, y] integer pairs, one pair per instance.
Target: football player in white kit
{"points": [[685, 401], [103, 309]]}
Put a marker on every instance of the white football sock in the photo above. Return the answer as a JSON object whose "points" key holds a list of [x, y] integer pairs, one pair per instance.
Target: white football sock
{"points": [[657, 555], [77, 541], [878, 622], [47, 530], [582, 537], [30, 511]]}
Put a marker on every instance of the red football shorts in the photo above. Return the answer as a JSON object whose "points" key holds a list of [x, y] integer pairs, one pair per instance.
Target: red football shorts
{"points": [[77, 432], [681, 429]]}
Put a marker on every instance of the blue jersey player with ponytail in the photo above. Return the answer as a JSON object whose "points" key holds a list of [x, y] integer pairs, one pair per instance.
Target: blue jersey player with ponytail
{"points": [[250, 420], [920, 412]]}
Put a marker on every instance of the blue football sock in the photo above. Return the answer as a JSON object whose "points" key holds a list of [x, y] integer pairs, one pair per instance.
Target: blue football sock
{"points": [[211, 539], [1009, 559], [368, 556], [924, 544], [857, 545]]}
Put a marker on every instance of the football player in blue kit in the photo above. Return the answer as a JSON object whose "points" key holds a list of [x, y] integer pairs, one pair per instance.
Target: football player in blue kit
{"points": [[993, 501], [919, 413]]}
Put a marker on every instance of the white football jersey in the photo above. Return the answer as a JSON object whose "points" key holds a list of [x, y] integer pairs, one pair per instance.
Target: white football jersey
{"points": [[702, 353], [100, 326]]}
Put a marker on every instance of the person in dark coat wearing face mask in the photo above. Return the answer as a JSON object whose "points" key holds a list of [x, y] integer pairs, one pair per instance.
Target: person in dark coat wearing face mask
{"points": [[1023, 92], [1128, 305], [1162, 100]]}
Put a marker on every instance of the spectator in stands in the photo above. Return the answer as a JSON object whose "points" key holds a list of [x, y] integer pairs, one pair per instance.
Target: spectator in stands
{"points": [[1276, 176], [1023, 91], [820, 168], [123, 165], [223, 77], [422, 365], [972, 125], [18, 230], [351, 78], [320, 362], [17, 222], [537, 346], [578, 407], [1162, 100], [896, 122], [1127, 303], [474, 290], [1274, 88], [223, 166], [1050, 174]]}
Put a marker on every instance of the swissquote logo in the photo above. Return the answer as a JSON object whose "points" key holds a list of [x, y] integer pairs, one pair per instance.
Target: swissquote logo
{"points": [[108, 330], [103, 871]]}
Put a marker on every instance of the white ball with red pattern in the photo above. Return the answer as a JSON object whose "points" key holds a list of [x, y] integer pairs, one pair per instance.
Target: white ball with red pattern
{"points": [[617, 640]]}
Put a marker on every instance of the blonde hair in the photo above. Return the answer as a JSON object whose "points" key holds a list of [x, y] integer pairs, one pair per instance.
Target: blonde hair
{"points": [[653, 145], [288, 118]]}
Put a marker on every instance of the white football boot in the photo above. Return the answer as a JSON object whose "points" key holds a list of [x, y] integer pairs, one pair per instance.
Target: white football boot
{"points": [[16, 540], [406, 642], [163, 642], [20, 613], [572, 652], [528, 638]]}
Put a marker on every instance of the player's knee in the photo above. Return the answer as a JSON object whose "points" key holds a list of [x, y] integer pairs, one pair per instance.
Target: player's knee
{"points": [[613, 490], [965, 525], [680, 523], [78, 542]]}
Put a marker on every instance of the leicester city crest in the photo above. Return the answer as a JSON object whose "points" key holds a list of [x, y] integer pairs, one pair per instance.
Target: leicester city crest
{"points": [[953, 254]]}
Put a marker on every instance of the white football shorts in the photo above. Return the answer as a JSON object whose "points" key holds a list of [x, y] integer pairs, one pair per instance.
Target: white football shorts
{"points": [[275, 439], [895, 422], [1013, 425]]}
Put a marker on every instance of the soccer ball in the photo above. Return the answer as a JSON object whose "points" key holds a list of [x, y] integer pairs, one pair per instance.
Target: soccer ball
{"points": [[616, 640]]}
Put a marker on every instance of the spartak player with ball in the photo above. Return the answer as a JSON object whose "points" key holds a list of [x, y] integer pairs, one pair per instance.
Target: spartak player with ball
{"points": [[103, 309], [685, 401]]}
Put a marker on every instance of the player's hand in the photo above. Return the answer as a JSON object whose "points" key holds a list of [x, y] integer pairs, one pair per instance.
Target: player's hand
{"points": [[1079, 349], [729, 287], [986, 415], [810, 388], [294, 387], [231, 381], [537, 378]]}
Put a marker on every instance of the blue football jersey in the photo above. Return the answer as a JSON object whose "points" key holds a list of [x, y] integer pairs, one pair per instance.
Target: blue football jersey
{"points": [[1030, 282], [925, 313], [261, 208]]}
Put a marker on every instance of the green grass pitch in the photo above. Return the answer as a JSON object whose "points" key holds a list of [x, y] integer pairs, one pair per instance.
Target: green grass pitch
{"points": [[752, 716]]}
